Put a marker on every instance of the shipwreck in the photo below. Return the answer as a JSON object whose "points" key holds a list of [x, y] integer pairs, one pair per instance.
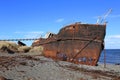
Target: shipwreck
{"points": [[78, 43]]}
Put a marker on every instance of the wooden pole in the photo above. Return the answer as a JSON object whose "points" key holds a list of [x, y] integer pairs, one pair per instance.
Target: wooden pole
{"points": [[104, 56]]}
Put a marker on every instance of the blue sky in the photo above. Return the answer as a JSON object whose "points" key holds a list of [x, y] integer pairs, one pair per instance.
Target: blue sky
{"points": [[33, 18]]}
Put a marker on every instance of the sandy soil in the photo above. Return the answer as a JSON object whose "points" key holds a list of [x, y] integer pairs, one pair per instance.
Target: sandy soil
{"points": [[31, 66]]}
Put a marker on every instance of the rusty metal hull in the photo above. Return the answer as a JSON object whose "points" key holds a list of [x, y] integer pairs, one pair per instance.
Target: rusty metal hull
{"points": [[78, 43]]}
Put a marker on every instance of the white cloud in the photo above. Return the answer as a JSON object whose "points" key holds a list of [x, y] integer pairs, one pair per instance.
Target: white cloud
{"points": [[113, 37], [109, 16], [114, 16], [59, 20], [5, 36], [32, 34], [112, 41]]}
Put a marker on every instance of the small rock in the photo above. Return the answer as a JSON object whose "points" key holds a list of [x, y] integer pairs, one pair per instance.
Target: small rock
{"points": [[2, 78], [31, 79]]}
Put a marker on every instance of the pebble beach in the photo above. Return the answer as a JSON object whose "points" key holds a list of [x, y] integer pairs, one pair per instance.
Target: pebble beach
{"points": [[32, 66]]}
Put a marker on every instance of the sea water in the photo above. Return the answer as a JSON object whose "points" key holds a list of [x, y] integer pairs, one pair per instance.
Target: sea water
{"points": [[111, 56]]}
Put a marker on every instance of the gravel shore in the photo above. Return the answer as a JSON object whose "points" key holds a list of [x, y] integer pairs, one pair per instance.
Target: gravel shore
{"points": [[31, 66]]}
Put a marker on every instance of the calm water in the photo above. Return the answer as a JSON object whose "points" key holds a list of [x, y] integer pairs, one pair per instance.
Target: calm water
{"points": [[112, 56]]}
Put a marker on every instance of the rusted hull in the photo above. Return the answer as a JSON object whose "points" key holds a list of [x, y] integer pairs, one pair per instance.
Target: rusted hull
{"points": [[83, 52], [78, 43]]}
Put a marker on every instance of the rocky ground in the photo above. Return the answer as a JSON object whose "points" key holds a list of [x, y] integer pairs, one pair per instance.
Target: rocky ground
{"points": [[27, 63], [32, 66]]}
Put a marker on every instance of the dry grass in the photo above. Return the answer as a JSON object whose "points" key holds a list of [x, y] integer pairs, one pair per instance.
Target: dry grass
{"points": [[37, 49], [24, 49], [11, 47], [6, 46]]}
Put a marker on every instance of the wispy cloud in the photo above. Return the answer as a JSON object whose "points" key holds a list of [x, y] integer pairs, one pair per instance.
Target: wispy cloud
{"points": [[114, 37], [112, 41], [114, 16], [32, 34], [109, 16], [59, 20], [4, 37]]}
